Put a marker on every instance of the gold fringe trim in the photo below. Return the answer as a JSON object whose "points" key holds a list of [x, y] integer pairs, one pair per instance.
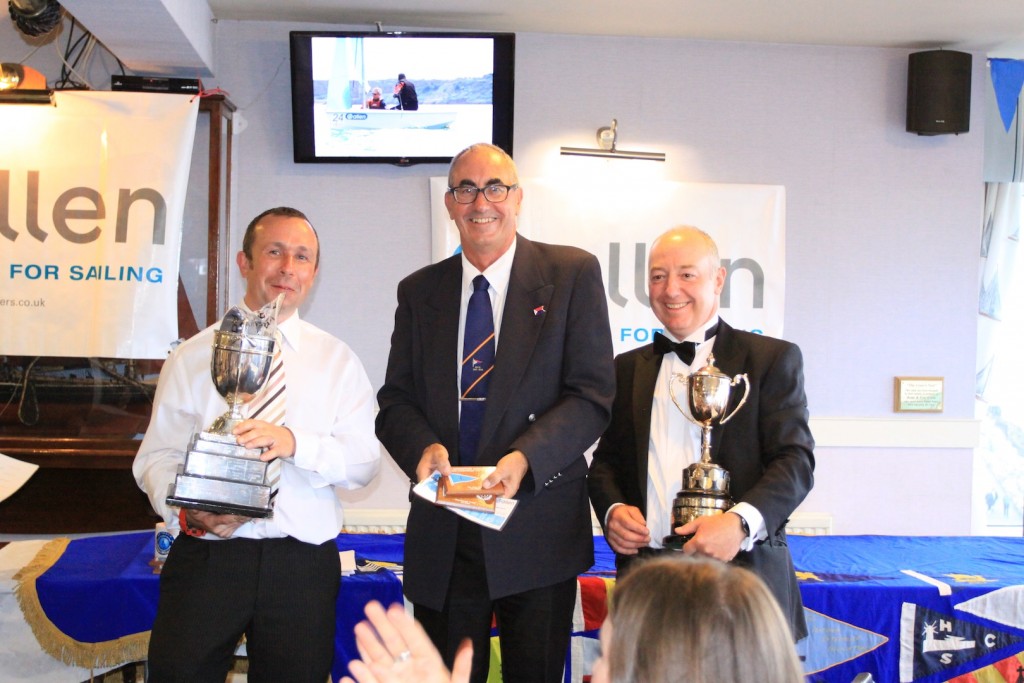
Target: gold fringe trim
{"points": [[52, 640]]}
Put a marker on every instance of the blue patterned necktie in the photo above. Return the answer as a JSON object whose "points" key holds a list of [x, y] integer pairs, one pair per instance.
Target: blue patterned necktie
{"points": [[477, 363]]}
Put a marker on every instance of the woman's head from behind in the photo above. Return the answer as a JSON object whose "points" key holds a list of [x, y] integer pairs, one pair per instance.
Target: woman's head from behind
{"points": [[701, 621]]}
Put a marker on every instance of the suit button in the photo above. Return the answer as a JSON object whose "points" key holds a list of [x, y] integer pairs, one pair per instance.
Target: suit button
{"points": [[532, 418]]}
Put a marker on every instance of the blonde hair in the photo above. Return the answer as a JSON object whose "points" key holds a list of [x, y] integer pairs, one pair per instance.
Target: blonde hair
{"points": [[701, 621]]}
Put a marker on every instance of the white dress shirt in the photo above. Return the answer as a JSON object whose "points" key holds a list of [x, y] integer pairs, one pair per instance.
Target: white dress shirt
{"points": [[675, 444], [329, 409]]}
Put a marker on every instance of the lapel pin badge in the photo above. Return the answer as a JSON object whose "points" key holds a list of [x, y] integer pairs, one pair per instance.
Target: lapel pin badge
{"points": [[538, 311]]}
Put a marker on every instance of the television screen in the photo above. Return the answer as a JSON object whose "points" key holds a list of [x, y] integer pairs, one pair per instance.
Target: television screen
{"points": [[397, 97]]}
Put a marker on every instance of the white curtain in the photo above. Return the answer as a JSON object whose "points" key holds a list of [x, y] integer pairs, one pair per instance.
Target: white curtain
{"points": [[999, 380]]}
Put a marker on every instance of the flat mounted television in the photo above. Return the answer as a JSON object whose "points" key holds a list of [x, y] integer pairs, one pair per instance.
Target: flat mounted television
{"points": [[438, 93]]}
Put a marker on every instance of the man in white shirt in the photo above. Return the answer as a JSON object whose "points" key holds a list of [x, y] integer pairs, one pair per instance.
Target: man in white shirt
{"points": [[275, 580], [766, 446]]}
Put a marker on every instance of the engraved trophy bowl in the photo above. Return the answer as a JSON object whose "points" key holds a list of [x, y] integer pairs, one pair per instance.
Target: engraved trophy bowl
{"points": [[239, 367], [220, 475], [705, 489]]}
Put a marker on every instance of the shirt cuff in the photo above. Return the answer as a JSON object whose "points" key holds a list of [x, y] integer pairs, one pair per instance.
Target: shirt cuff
{"points": [[609, 512], [304, 456], [755, 520]]}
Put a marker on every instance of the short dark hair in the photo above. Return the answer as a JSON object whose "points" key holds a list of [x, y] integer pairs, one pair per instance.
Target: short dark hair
{"points": [[401, 77], [286, 211]]}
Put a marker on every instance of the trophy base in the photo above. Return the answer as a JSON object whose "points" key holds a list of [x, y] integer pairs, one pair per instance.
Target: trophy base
{"points": [[220, 508], [223, 477], [675, 541], [691, 505], [220, 496]]}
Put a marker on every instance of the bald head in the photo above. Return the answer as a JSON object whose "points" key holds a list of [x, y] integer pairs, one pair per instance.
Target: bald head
{"points": [[685, 279]]}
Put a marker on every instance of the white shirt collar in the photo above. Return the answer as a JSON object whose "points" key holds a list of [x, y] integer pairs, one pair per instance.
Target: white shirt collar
{"points": [[698, 334], [497, 274]]}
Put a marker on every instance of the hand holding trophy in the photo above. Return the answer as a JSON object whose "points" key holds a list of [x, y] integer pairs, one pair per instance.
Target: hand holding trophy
{"points": [[705, 489], [219, 475]]}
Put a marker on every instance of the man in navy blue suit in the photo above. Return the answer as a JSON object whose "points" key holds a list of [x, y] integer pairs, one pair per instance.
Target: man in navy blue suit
{"points": [[549, 398], [766, 447]]}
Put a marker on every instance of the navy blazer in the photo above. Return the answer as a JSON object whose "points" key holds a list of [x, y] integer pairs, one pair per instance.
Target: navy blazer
{"points": [[550, 396], [766, 447]]}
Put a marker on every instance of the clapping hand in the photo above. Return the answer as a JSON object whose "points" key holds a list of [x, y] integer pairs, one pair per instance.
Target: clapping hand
{"points": [[395, 649]]}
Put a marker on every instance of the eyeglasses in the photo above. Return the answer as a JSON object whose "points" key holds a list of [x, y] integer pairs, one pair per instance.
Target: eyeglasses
{"points": [[466, 194]]}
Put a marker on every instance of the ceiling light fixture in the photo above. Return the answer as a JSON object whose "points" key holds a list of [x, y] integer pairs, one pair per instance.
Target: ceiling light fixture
{"points": [[606, 138], [20, 84]]}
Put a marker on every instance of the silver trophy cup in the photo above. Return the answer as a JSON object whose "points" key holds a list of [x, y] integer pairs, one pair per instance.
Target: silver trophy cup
{"points": [[240, 367], [219, 475], [705, 489]]}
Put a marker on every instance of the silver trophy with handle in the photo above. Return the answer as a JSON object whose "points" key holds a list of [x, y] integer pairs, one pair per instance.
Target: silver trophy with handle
{"points": [[705, 489], [219, 475]]}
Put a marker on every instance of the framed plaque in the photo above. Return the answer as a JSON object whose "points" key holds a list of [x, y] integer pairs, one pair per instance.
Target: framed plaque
{"points": [[918, 394]]}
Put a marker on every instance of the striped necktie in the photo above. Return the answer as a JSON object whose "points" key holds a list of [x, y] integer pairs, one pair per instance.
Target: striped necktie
{"points": [[477, 363], [270, 407]]}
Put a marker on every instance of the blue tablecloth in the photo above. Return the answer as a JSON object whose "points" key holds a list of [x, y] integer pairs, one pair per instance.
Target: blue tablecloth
{"points": [[91, 602], [917, 608], [358, 589], [924, 609]]}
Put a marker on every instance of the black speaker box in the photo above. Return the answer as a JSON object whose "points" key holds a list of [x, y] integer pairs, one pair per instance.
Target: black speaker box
{"points": [[939, 92]]}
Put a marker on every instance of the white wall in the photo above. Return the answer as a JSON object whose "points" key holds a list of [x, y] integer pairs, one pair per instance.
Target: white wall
{"points": [[882, 226]]}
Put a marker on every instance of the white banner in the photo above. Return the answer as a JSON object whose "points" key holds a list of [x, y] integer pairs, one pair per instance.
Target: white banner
{"points": [[92, 193], [617, 223]]}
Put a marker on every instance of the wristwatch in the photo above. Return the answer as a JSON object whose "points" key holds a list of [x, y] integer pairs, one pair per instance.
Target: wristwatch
{"points": [[743, 523]]}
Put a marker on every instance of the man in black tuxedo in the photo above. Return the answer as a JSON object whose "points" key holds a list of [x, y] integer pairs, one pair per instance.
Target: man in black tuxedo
{"points": [[766, 447], [549, 398]]}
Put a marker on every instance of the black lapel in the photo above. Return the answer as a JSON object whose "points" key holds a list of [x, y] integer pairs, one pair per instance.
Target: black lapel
{"points": [[439, 331], [523, 317], [645, 376], [730, 358]]}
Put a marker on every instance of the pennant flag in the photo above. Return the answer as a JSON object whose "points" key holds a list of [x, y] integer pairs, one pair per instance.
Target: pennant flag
{"points": [[1007, 78], [595, 592], [1002, 606], [931, 642], [830, 642], [592, 594], [1009, 670]]}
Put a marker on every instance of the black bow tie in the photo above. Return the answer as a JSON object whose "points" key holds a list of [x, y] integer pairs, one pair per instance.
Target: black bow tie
{"points": [[685, 350]]}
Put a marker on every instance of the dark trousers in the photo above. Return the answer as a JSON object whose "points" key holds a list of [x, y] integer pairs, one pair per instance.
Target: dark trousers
{"points": [[535, 627], [280, 593]]}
